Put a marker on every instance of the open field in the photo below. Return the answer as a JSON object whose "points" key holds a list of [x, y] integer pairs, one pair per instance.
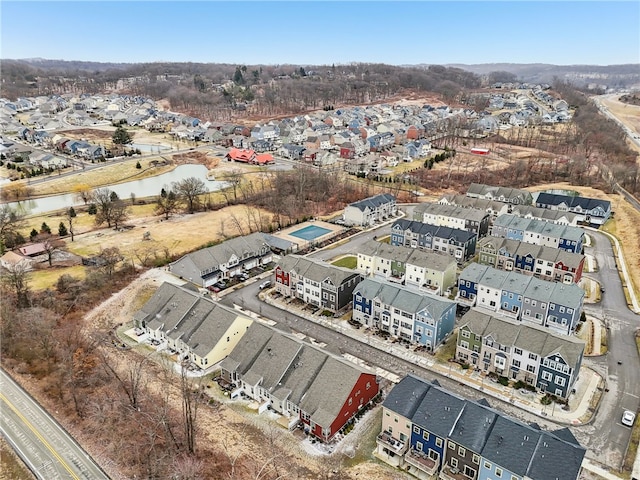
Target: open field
{"points": [[625, 226]]}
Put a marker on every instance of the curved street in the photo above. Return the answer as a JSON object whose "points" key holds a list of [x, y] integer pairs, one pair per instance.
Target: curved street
{"points": [[605, 437], [47, 449]]}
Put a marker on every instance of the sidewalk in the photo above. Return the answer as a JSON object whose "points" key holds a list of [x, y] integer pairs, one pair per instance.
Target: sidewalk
{"points": [[581, 406]]}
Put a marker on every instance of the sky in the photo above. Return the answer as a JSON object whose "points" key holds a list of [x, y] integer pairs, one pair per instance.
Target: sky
{"points": [[324, 32]]}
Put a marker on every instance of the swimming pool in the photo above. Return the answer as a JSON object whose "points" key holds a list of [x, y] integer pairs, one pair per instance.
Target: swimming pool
{"points": [[310, 232]]}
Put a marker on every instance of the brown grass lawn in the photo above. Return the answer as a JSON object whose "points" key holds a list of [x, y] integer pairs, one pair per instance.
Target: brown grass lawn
{"points": [[109, 174], [626, 226]]}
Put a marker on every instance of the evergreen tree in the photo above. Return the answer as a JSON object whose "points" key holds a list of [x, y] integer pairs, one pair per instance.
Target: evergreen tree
{"points": [[62, 229], [121, 136]]}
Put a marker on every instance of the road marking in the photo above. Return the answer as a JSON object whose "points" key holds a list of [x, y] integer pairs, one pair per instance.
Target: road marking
{"points": [[40, 437], [631, 395]]}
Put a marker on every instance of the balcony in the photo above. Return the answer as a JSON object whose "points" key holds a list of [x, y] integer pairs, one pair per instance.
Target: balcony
{"points": [[450, 473], [395, 446], [467, 301], [421, 461]]}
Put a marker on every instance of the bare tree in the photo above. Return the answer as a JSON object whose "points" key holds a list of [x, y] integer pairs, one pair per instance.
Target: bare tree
{"points": [[50, 244], [110, 256], [167, 204], [16, 277], [131, 380], [233, 178], [189, 191], [10, 222], [103, 199], [119, 213], [189, 409]]}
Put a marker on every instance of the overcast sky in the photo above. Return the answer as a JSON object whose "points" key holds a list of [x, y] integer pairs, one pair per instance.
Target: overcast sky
{"points": [[308, 33]]}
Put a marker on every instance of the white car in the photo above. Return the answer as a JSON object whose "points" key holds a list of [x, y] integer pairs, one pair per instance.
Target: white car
{"points": [[628, 417]]}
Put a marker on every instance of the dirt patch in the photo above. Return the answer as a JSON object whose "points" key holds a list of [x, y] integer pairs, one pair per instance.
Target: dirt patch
{"points": [[89, 134]]}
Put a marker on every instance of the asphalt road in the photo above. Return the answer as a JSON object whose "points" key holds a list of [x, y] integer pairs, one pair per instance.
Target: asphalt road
{"points": [[47, 449], [605, 437]]}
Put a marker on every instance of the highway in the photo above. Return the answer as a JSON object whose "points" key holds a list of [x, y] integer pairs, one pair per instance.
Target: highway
{"points": [[46, 448]]}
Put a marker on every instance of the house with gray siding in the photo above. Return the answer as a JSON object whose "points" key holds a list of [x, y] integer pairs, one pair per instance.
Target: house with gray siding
{"points": [[520, 352], [410, 316], [316, 282], [212, 264]]}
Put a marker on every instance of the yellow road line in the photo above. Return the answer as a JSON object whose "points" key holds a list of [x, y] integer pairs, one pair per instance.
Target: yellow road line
{"points": [[40, 437]]}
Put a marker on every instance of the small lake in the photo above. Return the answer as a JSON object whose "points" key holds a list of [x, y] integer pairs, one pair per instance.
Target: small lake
{"points": [[145, 187]]}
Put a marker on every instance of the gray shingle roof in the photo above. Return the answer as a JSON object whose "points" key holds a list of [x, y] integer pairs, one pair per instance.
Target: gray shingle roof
{"points": [[373, 202], [318, 382], [405, 397], [532, 338], [454, 211], [522, 449], [316, 270], [408, 301]]}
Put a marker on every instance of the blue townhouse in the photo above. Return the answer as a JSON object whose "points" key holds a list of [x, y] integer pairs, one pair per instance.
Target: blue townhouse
{"points": [[468, 283], [526, 255], [458, 243], [414, 317], [430, 432], [511, 297], [559, 369], [508, 450]]}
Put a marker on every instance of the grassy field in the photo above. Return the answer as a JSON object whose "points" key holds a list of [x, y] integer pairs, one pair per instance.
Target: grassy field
{"points": [[109, 174], [43, 279], [349, 261]]}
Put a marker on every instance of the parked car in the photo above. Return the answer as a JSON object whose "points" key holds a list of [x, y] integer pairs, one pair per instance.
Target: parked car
{"points": [[628, 417], [265, 284]]}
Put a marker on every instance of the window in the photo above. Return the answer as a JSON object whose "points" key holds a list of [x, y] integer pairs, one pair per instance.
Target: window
{"points": [[476, 459], [419, 446], [498, 472], [461, 451], [469, 472], [560, 381], [517, 351], [533, 356], [454, 462], [439, 442], [452, 446], [425, 435], [487, 465], [465, 333], [547, 376], [416, 429]]}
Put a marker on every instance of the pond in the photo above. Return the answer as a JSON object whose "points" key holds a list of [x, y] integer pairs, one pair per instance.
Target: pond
{"points": [[145, 187]]}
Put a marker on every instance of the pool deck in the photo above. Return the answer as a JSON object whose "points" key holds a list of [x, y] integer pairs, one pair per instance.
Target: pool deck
{"points": [[286, 233]]}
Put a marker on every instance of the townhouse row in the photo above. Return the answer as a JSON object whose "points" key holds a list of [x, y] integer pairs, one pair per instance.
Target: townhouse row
{"points": [[546, 263], [530, 354], [299, 381], [539, 232], [432, 433], [521, 297]]}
